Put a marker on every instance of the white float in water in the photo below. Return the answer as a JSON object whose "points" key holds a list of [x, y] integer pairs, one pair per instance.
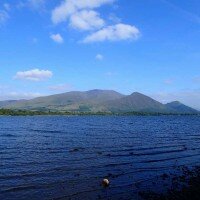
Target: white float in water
{"points": [[105, 182]]}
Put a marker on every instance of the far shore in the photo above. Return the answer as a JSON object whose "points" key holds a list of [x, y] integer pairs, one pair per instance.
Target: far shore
{"points": [[10, 112]]}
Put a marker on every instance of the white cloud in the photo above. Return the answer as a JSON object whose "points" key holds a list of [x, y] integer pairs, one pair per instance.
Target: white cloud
{"points": [[86, 20], [60, 87], [99, 57], [3, 16], [69, 7], [34, 75], [62, 12], [81, 15], [114, 33], [57, 38]]}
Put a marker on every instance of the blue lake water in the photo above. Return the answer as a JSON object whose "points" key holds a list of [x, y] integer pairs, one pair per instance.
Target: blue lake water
{"points": [[57, 157]]}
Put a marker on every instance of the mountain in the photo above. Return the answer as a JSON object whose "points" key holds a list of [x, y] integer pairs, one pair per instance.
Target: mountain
{"points": [[8, 102], [177, 106], [71, 101], [98, 101], [135, 102]]}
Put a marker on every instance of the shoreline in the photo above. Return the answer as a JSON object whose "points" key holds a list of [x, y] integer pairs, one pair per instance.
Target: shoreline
{"points": [[10, 112]]}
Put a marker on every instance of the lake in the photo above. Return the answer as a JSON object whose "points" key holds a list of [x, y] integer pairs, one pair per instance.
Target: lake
{"points": [[61, 157]]}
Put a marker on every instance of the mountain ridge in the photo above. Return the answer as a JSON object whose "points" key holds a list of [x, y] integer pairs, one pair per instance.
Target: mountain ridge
{"points": [[98, 101]]}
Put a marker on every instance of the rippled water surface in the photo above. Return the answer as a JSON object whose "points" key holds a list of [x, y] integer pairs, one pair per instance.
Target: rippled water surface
{"points": [[67, 157]]}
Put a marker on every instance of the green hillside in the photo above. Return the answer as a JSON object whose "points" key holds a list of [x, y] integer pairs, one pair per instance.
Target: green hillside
{"points": [[97, 101]]}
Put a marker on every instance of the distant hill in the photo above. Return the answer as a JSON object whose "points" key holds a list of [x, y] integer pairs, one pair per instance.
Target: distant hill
{"points": [[98, 101], [177, 106], [8, 102]]}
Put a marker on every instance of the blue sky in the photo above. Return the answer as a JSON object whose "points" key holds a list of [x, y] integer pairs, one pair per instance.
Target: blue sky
{"points": [[54, 46]]}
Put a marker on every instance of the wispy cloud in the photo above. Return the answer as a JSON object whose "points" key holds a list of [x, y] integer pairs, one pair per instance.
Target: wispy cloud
{"points": [[36, 3], [99, 57], [32, 4], [4, 16], [6, 6], [114, 18], [196, 79], [57, 38], [34, 75], [189, 15]]}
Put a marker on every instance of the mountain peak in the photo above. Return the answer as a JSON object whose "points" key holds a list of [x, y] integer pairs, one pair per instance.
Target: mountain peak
{"points": [[95, 90], [175, 102], [100, 91], [137, 94]]}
